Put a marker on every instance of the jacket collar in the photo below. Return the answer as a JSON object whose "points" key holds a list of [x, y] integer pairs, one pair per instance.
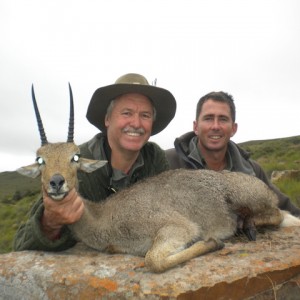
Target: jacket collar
{"points": [[238, 158]]}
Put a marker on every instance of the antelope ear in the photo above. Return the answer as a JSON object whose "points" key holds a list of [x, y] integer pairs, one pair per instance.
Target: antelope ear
{"points": [[32, 171], [90, 165]]}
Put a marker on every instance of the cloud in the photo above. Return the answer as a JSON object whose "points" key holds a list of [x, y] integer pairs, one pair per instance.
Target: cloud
{"points": [[249, 49]]}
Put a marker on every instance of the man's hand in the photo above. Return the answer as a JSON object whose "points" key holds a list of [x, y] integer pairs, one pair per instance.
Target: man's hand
{"points": [[60, 213]]}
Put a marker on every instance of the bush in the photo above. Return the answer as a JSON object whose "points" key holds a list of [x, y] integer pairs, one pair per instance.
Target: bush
{"points": [[291, 188], [12, 215]]}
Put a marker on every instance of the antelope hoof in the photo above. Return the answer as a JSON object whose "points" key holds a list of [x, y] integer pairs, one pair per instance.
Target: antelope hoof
{"points": [[249, 228], [239, 232], [246, 226], [250, 233]]}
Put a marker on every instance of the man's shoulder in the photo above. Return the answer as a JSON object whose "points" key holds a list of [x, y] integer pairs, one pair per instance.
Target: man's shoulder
{"points": [[152, 147], [174, 160], [86, 148], [171, 152]]}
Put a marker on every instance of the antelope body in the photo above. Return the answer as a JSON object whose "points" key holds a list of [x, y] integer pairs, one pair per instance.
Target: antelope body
{"points": [[169, 218]]}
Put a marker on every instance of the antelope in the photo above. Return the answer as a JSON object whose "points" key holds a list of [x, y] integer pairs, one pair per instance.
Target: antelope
{"points": [[169, 218]]}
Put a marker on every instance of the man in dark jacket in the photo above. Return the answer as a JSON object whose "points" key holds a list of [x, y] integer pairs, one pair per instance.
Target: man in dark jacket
{"points": [[209, 146], [127, 114]]}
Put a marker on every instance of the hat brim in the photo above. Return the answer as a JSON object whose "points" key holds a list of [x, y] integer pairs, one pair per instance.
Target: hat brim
{"points": [[163, 101]]}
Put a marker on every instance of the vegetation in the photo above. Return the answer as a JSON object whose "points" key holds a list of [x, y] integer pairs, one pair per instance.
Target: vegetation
{"points": [[276, 154], [291, 188], [12, 184], [17, 193], [12, 215]]}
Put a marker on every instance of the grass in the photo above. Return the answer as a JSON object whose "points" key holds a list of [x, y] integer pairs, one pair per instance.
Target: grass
{"points": [[11, 216], [291, 188], [12, 184], [276, 154]]}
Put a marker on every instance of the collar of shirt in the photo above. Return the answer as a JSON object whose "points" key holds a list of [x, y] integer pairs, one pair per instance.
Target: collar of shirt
{"points": [[118, 179], [196, 156]]}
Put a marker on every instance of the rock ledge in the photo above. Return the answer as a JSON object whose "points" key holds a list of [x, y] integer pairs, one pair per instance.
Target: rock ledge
{"points": [[266, 269]]}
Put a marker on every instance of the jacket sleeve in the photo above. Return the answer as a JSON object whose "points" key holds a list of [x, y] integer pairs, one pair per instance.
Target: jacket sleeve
{"points": [[30, 237], [285, 202]]}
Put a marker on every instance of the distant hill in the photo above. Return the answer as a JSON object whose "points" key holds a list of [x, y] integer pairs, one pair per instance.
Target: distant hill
{"points": [[275, 154], [12, 182]]}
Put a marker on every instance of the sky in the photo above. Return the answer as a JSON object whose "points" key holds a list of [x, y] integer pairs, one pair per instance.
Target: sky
{"points": [[250, 49]]}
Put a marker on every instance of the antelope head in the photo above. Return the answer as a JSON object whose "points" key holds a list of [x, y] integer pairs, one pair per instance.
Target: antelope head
{"points": [[58, 163]]}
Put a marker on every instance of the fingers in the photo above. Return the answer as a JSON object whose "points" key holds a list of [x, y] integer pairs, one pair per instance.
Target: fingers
{"points": [[65, 211]]}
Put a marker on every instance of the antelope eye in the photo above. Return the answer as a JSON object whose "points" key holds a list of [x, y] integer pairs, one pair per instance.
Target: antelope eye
{"points": [[76, 158], [40, 161]]}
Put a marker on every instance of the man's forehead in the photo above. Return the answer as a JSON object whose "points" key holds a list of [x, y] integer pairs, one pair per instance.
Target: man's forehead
{"points": [[133, 96], [213, 106], [133, 101]]}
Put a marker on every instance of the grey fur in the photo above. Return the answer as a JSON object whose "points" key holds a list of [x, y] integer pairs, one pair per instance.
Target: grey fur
{"points": [[160, 216]]}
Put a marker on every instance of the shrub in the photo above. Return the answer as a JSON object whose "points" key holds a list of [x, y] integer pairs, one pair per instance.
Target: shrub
{"points": [[12, 215]]}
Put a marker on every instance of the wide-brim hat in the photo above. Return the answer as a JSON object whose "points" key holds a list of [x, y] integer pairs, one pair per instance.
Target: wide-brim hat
{"points": [[163, 101]]}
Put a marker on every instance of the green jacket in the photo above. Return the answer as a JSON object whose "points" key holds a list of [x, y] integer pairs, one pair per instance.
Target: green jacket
{"points": [[239, 161], [94, 186]]}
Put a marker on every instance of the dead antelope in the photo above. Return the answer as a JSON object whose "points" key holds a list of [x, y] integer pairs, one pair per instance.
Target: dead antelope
{"points": [[169, 218]]}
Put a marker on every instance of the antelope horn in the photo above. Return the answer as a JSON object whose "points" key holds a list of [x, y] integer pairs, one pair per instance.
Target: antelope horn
{"points": [[71, 120], [39, 120]]}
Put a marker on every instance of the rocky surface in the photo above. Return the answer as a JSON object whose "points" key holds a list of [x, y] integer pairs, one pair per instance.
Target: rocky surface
{"points": [[285, 174], [266, 269]]}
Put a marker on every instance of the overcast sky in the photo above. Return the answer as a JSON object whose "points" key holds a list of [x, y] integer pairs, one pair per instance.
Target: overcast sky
{"points": [[250, 49]]}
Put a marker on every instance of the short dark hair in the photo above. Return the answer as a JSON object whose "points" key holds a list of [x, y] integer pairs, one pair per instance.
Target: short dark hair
{"points": [[220, 97]]}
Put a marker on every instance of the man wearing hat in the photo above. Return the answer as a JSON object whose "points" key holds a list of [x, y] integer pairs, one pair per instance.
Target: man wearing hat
{"points": [[127, 113]]}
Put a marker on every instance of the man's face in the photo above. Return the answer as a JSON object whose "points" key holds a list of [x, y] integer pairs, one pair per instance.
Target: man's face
{"points": [[214, 126], [130, 122]]}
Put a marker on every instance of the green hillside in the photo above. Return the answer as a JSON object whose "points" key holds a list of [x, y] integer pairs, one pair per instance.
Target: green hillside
{"points": [[17, 192], [276, 154], [14, 185]]}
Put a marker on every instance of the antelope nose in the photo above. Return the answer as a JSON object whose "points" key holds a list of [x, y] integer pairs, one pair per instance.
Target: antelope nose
{"points": [[57, 181]]}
